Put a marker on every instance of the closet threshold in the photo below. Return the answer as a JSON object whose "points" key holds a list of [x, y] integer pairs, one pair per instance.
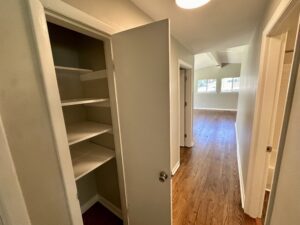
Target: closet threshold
{"points": [[82, 131], [87, 156], [82, 101], [72, 70]]}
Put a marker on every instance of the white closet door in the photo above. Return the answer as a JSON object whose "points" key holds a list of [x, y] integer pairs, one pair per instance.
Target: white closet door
{"points": [[142, 57]]}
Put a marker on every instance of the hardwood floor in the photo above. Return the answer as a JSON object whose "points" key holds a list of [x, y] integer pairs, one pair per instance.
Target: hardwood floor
{"points": [[206, 186]]}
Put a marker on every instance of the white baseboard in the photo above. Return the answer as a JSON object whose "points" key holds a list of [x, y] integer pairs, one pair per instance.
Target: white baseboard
{"points": [[111, 207], [107, 204], [216, 109], [242, 187], [190, 145], [175, 168], [89, 203]]}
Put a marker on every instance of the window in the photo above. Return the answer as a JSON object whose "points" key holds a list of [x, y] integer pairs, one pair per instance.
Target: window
{"points": [[230, 84], [207, 85]]}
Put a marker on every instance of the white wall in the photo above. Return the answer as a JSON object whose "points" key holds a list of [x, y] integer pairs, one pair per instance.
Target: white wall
{"points": [[216, 100], [13, 209], [248, 87], [119, 14], [26, 119]]}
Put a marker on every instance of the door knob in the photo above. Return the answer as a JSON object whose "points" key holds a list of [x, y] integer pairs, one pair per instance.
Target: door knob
{"points": [[163, 176]]}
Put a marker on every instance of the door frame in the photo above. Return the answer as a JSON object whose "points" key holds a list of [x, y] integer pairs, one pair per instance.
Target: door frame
{"points": [[188, 142], [294, 76], [63, 14], [265, 102]]}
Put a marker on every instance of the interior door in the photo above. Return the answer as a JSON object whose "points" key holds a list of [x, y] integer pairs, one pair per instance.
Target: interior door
{"points": [[182, 106], [141, 58]]}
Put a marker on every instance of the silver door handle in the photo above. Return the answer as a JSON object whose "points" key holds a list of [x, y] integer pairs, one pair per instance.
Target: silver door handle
{"points": [[163, 176]]}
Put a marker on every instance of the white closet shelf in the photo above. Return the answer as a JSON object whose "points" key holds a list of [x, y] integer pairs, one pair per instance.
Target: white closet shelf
{"points": [[82, 101], [100, 74], [85, 130], [104, 104], [72, 70], [87, 157], [85, 74]]}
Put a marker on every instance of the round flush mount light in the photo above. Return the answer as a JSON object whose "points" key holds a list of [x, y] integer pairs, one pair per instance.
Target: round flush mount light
{"points": [[191, 4]]}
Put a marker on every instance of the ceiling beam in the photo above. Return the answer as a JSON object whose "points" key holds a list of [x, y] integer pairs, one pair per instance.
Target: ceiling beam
{"points": [[215, 58]]}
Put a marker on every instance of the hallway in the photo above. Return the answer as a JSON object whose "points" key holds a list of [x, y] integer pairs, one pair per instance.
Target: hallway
{"points": [[206, 186]]}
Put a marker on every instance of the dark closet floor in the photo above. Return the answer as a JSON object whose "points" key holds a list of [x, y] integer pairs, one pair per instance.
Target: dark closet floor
{"points": [[99, 215]]}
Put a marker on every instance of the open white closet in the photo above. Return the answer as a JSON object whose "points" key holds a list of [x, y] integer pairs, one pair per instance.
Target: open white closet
{"points": [[80, 66], [97, 127]]}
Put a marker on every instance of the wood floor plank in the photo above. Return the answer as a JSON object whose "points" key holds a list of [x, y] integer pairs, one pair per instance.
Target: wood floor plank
{"points": [[206, 186]]}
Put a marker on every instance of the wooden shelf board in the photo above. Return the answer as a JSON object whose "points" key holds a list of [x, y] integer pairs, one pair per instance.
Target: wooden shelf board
{"points": [[72, 70], [87, 157], [84, 130], [100, 74], [103, 104], [81, 101]]}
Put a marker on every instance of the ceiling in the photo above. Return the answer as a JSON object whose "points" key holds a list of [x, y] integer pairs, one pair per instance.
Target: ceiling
{"points": [[218, 25], [218, 58]]}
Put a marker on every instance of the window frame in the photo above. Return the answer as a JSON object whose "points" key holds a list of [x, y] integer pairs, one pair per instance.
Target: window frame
{"points": [[231, 90], [207, 92]]}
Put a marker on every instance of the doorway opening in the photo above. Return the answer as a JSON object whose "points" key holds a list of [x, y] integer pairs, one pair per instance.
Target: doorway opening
{"points": [[278, 54], [206, 184], [185, 104], [185, 107]]}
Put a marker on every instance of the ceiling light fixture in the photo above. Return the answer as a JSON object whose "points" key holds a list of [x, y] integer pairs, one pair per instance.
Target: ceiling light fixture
{"points": [[191, 4]]}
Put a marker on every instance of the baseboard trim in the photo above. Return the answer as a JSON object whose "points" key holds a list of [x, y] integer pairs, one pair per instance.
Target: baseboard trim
{"points": [[89, 203], [242, 187], [111, 207], [107, 204], [216, 109], [175, 168]]}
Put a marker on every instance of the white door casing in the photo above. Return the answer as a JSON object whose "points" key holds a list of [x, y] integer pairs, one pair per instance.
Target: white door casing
{"points": [[182, 106], [284, 205], [271, 66], [189, 93]]}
